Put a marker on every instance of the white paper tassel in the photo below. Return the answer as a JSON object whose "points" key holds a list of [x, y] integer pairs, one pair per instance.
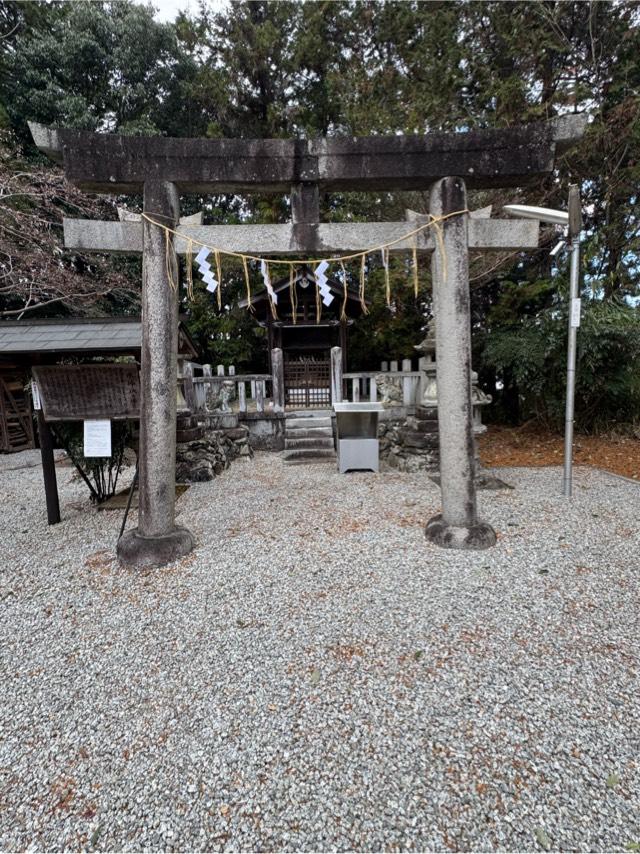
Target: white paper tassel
{"points": [[205, 270], [321, 279], [264, 269]]}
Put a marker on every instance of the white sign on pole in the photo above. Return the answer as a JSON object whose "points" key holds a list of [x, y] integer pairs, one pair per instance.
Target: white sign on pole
{"points": [[97, 438], [576, 305], [35, 395]]}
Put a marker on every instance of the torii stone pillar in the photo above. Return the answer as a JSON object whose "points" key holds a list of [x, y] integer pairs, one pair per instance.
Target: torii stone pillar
{"points": [[157, 540], [458, 525]]}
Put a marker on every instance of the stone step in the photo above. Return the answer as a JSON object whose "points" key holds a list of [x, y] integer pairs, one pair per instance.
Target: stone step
{"points": [[320, 442], [309, 413], [310, 433], [308, 454], [317, 461], [306, 423]]}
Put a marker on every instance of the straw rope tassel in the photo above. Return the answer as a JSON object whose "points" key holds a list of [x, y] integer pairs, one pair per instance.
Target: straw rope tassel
{"points": [[415, 270], [189, 268], [387, 282], [292, 293], [216, 255], [363, 269], [245, 266], [343, 312], [167, 259], [443, 252]]}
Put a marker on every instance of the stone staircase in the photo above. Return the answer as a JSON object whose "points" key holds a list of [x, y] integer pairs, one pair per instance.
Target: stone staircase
{"points": [[308, 437]]}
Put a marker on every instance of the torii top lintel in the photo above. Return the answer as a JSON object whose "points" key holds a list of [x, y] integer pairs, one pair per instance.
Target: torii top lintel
{"points": [[107, 163]]}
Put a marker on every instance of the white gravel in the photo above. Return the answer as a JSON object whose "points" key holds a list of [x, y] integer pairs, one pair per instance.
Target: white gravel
{"points": [[317, 676]]}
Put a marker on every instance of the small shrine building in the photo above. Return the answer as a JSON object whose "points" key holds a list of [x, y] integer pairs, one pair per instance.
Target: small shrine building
{"points": [[304, 338]]}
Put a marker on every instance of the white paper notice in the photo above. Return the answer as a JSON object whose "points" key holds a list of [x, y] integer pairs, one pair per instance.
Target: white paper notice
{"points": [[97, 438], [35, 395], [576, 305]]}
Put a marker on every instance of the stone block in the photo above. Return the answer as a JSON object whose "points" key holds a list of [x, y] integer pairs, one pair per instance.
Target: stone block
{"points": [[427, 413], [236, 434], [189, 435]]}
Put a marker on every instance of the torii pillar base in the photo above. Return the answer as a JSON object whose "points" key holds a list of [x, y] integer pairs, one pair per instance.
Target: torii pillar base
{"points": [[137, 551], [478, 536]]}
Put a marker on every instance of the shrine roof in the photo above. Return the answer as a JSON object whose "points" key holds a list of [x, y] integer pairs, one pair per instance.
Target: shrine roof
{"points": [[110, 335], [303, 279]]}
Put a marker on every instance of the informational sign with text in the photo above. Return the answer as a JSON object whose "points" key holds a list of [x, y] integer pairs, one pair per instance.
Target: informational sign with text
{"points": [[576, 306], [92, 391], [35, 395], [97, 438]]}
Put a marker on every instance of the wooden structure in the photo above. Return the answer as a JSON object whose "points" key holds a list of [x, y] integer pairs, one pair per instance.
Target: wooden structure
{"points": [[77, 393], [16, 422], [25, 344], [305, 340]]}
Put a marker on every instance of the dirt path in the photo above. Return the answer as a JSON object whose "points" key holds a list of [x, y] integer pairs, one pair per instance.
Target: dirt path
{"points": [[533, 446]]}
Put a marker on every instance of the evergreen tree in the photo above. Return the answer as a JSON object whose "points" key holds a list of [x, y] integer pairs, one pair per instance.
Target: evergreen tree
{"points": [[298, 69]]}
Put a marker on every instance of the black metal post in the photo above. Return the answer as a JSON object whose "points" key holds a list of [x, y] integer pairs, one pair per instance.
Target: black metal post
{"points": [[48, 471]]}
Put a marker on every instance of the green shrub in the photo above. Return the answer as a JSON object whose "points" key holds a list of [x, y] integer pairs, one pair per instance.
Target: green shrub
{"points": [[99, 473], [532, 357]]}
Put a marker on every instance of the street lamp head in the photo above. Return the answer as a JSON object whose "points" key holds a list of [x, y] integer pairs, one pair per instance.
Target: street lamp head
{"points": [[541, 214]]}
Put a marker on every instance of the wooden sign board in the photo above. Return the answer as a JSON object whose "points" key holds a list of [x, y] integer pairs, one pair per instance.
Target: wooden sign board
{"points": [[79, 392]]}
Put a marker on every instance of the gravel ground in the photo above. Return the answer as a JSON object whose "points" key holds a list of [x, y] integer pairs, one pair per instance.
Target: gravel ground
{"points": [[316, 676]]}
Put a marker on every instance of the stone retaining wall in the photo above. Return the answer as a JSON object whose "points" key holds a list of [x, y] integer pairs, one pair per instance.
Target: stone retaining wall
{"points": [[410, 444], [206, 457]]}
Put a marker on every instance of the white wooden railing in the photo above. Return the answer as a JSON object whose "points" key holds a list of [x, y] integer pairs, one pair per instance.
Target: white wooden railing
{"points": [[253, 390], [362, 385], [248, 388]]}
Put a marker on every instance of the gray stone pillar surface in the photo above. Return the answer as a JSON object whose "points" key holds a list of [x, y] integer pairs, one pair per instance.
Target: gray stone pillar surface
{"points": [[157, 541], [336, 375], [189, 388], [260, 396], [277, 379], [458, 525], [206, 387]]}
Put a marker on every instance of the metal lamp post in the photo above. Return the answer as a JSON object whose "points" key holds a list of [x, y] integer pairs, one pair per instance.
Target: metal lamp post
{"points": [[572, 219]]}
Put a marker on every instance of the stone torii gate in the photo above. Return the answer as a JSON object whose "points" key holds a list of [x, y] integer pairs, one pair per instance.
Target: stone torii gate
{"points": [[160, 169]]}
